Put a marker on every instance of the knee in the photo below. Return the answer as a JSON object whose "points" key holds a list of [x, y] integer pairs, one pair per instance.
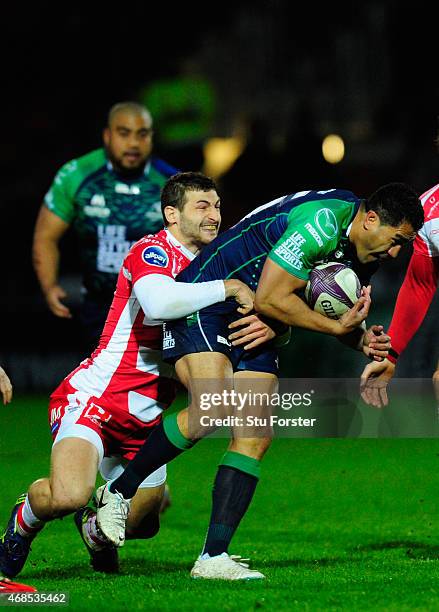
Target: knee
{"points": [[68, 501], [40, 493]]}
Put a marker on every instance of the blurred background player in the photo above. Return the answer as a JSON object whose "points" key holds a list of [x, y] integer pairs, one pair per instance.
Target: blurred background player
{"points": [[273, 250], [5, 387], [111, 198], [106, 408], [414, 299]]}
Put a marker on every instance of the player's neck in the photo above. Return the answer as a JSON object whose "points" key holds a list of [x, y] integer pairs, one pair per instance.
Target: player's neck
{"points": [[183, 240], [356, 226]]}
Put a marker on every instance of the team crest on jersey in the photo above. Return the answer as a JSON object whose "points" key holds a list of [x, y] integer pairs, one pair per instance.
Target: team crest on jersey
{"points": [[155, 256], [326, 222], [97, 207]]}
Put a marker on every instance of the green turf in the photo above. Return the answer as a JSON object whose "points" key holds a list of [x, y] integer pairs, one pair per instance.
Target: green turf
{"points": [[335, 524]]}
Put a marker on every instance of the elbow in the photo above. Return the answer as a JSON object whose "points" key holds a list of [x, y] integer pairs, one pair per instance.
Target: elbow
{"points": [[154, 311], [262, 305], [153, 314], [40, 247]]}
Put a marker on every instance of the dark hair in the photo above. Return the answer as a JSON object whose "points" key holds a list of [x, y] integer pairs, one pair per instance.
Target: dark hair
{"points": [[175, 188], [395, 204]]}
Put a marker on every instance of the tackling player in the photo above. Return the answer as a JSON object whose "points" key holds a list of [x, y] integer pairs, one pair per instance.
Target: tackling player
{"points": [[103, 411], [273, 250], [419, 286]]}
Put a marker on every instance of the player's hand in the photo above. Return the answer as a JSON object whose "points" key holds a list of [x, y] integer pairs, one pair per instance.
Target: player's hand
{"points": [[241, 293], [374, 380], [253, 332], [355, 316], [5, 387], [375, 343], [54, 295]]}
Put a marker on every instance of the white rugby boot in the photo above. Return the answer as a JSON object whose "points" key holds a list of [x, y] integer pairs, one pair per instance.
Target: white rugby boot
{"points": [[111, 514], [224, 567]]}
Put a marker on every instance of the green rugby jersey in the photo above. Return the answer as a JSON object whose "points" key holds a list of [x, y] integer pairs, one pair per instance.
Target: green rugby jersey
{"points": [[108, 212], [297, 231]]}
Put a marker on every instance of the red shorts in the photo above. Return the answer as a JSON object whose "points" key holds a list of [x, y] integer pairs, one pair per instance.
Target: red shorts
{"points": [[112, 433]]}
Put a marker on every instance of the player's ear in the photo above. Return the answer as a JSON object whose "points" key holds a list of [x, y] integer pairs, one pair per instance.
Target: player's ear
{"points": [[371, 219], [106, 136], [171, 214]]}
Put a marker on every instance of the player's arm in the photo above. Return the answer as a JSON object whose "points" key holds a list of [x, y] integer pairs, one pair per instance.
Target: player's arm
{"points": [[49, 229], [418, 289], [413, 301], [163, 298], [5, 387], [277, 297]]}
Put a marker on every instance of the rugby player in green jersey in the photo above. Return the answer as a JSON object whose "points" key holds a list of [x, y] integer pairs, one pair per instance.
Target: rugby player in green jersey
{"points": [[272, 249], [111, 198]]}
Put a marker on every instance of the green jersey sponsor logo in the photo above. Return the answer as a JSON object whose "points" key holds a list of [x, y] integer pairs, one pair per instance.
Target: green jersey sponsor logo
{"points": [[326, 222], [314, 231], [112, 248], [290, 250], [168, 340], [314, 234]]}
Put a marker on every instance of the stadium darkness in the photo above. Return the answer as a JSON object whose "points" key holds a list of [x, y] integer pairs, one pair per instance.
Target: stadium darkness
{"points": [[367, 72]]}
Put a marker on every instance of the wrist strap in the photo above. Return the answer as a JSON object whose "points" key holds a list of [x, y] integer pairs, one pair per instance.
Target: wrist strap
{"points": [[393, 355]]}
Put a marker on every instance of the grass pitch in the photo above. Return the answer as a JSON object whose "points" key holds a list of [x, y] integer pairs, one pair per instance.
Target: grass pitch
{"points": [[335, 524]]}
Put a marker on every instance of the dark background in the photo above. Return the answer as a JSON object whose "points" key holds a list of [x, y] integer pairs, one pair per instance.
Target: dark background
{"points": [[365, 71]]}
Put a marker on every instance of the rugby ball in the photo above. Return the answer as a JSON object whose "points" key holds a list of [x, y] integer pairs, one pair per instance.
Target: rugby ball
{"points": [[332, 289]]}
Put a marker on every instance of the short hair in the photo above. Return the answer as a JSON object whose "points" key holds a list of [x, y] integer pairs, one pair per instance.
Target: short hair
{"points": [[175, 188], [133, 108], [395, 204]]}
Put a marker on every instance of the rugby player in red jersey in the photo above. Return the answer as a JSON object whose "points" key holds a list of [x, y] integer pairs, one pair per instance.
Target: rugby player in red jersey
{"points": [[414, 299], [105, 409]]}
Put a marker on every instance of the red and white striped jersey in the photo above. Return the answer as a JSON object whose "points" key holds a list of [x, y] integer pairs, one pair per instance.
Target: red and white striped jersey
{"points": [[427, 240], [126, 374], [421, 279]]}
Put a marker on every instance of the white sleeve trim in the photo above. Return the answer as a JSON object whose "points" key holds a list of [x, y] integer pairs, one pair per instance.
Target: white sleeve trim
{"points": [[163, 298]]}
